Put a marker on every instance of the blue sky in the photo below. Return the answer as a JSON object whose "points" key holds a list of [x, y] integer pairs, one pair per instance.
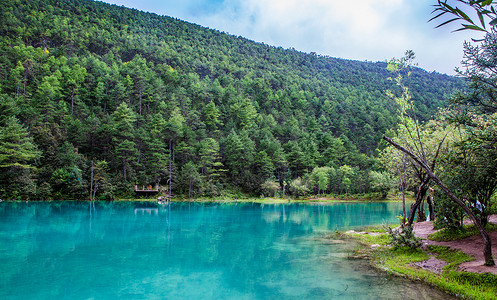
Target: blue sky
{"points": [[373, 30]]}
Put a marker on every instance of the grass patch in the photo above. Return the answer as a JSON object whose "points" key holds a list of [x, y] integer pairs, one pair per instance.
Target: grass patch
{"points": [[380, 239], [451, 256], [399, 262], [370, 238], [377, 228], [474, 286], [446, 235]]}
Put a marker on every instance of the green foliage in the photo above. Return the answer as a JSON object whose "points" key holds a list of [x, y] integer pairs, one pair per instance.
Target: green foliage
{"points": [[381, 182], [211, 116], [298, 187], [152, 95], [483, 8], [320, 178], [453, 234], [400, 261], [451, 256], [458, 283], [16, 146], [190, 179], [403, 237], [270, 187], [374, 239], [469, 165], [484, 281]]}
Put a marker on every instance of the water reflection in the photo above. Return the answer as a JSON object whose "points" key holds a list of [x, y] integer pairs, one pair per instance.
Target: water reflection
{"points": [[188, 251]]}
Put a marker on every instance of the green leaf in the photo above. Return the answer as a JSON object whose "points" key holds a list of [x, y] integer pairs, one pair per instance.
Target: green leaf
{"points": [[464, 16], [440, 14], [448, 7], [447, 22], [470, 27], [482, 21]]}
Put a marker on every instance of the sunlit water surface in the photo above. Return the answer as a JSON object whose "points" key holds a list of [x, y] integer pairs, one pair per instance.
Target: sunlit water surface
{"points": [[65, 250]]}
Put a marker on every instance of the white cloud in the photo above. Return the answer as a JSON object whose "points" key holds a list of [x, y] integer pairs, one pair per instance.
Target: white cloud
{"points": [[363, 29], [373, 30]]}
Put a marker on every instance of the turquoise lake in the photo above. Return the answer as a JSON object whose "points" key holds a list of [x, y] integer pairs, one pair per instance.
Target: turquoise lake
{"points": [[68, 250]]}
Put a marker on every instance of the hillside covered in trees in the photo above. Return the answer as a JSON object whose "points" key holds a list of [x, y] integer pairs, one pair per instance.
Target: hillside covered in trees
{"points": [[145, 99]]}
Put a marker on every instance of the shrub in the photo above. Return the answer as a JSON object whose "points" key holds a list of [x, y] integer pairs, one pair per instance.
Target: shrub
{"points": [[403, 237]]}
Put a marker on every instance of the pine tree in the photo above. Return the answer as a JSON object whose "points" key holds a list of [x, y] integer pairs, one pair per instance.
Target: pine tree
{"points": [[17, 155], [16, 146], [125, 147]]}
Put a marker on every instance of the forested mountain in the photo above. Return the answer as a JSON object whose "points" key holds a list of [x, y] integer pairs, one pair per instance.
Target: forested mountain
{"points": [[149, 98]]}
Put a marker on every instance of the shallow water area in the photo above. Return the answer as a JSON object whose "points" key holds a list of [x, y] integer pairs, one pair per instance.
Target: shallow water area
{"points": [[139, 250]]}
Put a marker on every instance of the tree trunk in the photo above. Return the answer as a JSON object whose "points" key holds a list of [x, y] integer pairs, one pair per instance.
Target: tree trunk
{"points": [[431, 207], [421, 209], [140, 99], [190, 188], [487, 248], [25, 82], [125, 162], [170, 169], [18, 90], [91, 182], [402, 179], [420, 193], [72, 102], [95, 191]]}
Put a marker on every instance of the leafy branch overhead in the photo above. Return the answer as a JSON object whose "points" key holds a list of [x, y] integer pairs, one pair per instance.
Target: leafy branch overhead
{"points": [[484, 20]]}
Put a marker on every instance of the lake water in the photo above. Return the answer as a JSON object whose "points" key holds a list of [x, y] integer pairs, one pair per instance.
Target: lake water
{"points": [[66, 250]]}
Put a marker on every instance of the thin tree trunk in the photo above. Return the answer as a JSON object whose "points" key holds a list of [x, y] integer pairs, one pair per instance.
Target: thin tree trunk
{"points": [[140, 97], [403, 204], [419, 197], [170, 169], [431, 207], [125, 162], [402, 179], [18, 90], [25, 82], [91, 182], [487, 248], [421, 212], [72, 102], [423, 188], [190, 188], [95, 188]]}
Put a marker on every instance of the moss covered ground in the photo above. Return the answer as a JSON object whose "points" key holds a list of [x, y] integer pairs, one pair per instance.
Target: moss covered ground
{"points": [[401, 262]]}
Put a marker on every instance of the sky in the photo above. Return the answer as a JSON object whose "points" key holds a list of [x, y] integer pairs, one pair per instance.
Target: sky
{"points": [[365, 30]]}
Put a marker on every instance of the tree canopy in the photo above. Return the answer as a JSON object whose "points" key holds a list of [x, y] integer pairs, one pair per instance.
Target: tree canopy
{"points": [[154, 99]]}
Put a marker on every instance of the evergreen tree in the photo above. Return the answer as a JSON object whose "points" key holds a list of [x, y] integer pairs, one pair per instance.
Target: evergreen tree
{"points": [[81, 86], [16, 146], [125, 148], [17, 157]]}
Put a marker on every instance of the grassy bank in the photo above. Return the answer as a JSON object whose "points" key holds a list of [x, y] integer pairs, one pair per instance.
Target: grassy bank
{"points": [[240, 197], [401, 262], [237, 196], [446, 235]]}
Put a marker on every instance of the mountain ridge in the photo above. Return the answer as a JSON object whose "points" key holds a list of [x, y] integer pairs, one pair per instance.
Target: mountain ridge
{"points": [[148, 95]]}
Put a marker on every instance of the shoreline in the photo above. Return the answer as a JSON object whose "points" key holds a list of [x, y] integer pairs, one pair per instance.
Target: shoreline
{"points": [[265, 200], [453, 267]]}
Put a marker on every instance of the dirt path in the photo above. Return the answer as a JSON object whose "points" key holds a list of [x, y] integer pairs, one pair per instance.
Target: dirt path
{"points": [[472, 246]]}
